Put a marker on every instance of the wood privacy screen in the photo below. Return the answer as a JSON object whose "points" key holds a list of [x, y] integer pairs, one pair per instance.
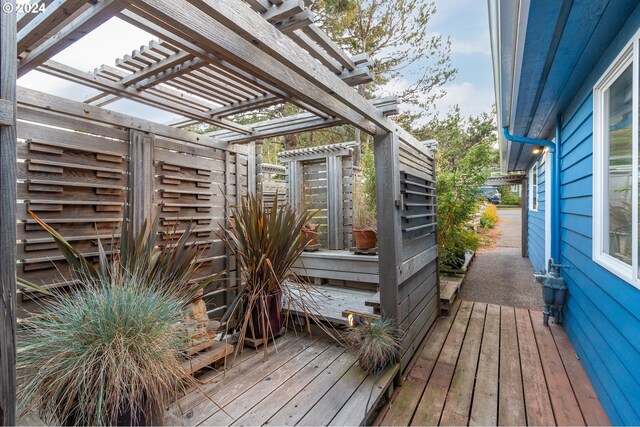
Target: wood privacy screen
{"points": [[321, 179], [408, 265], [272, 183], [83, 169]]}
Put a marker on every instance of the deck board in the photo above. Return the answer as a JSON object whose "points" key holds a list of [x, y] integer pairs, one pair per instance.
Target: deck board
{"points": [[494, 365], [408, 396], [308, 380], [293, 411], [327, 303], [511, 395], [432, 403], [536, 394], [484, 410], [586, 396], [458, 405], [564, 403]]}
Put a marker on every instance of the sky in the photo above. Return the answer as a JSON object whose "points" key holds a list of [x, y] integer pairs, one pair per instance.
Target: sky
{"points": [[464, 21]]}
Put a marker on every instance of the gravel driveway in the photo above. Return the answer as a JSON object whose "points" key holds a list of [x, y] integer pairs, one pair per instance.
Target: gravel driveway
{"points": [[502, 276]]}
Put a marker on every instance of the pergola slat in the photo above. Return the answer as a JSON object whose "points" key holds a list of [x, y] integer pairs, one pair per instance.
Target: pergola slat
{"points": [[79, 27], [101, 83]]}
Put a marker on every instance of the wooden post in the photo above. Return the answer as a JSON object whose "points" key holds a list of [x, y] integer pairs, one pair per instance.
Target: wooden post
{"points": [[8, 143], [294, 184], [386, 152], [524, 220], [251, 168], [335, 212], [141, 178]]}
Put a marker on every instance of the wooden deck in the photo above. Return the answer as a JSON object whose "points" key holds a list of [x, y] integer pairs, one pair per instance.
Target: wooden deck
{"points": [[307, 381], [327, 303], [486, 364]]}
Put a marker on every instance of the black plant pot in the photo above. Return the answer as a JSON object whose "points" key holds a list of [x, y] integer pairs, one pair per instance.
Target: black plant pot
{"points": [[267, 312], [458, 262], [125, 418]]}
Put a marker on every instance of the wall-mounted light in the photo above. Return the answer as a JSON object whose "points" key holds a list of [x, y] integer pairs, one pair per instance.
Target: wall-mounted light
{"points": [[537, 150]]}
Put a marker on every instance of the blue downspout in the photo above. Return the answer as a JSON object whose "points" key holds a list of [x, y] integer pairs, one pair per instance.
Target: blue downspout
{"points": [[555, 195], [555, 182]]}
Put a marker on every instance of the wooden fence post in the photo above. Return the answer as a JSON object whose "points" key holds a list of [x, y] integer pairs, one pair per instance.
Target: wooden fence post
{"points": [[8, 143], [335, 221], [386, 153], [141, 178]]}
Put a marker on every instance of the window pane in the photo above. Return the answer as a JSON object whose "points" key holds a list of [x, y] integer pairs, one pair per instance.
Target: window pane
{"points": [[618, 109]]}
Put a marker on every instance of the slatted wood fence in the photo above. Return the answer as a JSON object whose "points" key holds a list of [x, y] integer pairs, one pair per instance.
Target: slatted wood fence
{"points": [[320, 179], [273, 183], [84, 170], [407, 238]]}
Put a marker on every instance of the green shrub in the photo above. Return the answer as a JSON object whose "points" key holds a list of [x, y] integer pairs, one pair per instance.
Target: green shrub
{"points": [[109, 349], [486, 222]]}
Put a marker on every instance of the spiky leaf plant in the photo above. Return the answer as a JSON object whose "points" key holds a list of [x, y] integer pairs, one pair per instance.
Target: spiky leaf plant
{"points": [[265, 243], [377, 343], [110, 349], [138, 256]]}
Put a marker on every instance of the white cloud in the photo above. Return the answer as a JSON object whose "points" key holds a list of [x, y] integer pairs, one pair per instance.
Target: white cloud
{"points": [[477, 45], [472, 100]]}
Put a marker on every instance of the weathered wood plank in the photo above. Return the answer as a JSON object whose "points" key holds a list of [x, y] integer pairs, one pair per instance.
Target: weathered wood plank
{"points": [[386, 146], [565, 406], [536, 393], [511, 409], [408, 396], [235, 367], [458, 405], [432, 402], [40, 100], [141, 179], [288, 390], [293, 411], [243, 402], [8, 157], [586, 396], [365, 399], [331, 403], [222, 395], [79, 27], [484, 410]]}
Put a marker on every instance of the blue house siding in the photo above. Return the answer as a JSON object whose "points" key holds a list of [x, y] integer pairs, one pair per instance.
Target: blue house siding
{"points": [[602, 316], [536, 236]]}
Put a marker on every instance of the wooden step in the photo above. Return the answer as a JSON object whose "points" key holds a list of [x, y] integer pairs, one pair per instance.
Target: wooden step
{"points": [[218, 351]]}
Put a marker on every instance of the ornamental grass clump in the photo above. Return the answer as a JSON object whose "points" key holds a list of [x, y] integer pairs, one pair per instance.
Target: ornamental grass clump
{"points": [[107, 355], [377, 342]]}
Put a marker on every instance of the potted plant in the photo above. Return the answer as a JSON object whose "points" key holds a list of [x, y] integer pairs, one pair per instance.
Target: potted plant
{"points": [[265, 244], [110, 353], [364, 219], [310, 230], [377, 342]]}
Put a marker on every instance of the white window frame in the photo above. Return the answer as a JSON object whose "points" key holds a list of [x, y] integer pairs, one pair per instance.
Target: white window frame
{"points": [[630, 55], [533, 188]]}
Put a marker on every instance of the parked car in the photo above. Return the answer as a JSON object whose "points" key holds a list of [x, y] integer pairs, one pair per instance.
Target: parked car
{"points": [[491, 194]]}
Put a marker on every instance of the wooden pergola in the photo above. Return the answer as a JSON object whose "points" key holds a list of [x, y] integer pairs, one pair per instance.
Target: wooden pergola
{"points": [[211, 62]]}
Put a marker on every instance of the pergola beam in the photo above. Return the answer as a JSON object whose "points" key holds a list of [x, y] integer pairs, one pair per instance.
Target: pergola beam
{"points": [[78, 28], [101, 83], [56, 14], [209, 27], [263, 43]]}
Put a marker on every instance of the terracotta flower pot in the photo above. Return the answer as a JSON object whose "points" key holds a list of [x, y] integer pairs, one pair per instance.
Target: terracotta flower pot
{"points": [[310, 232], [271, 316], [365, 238]]}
